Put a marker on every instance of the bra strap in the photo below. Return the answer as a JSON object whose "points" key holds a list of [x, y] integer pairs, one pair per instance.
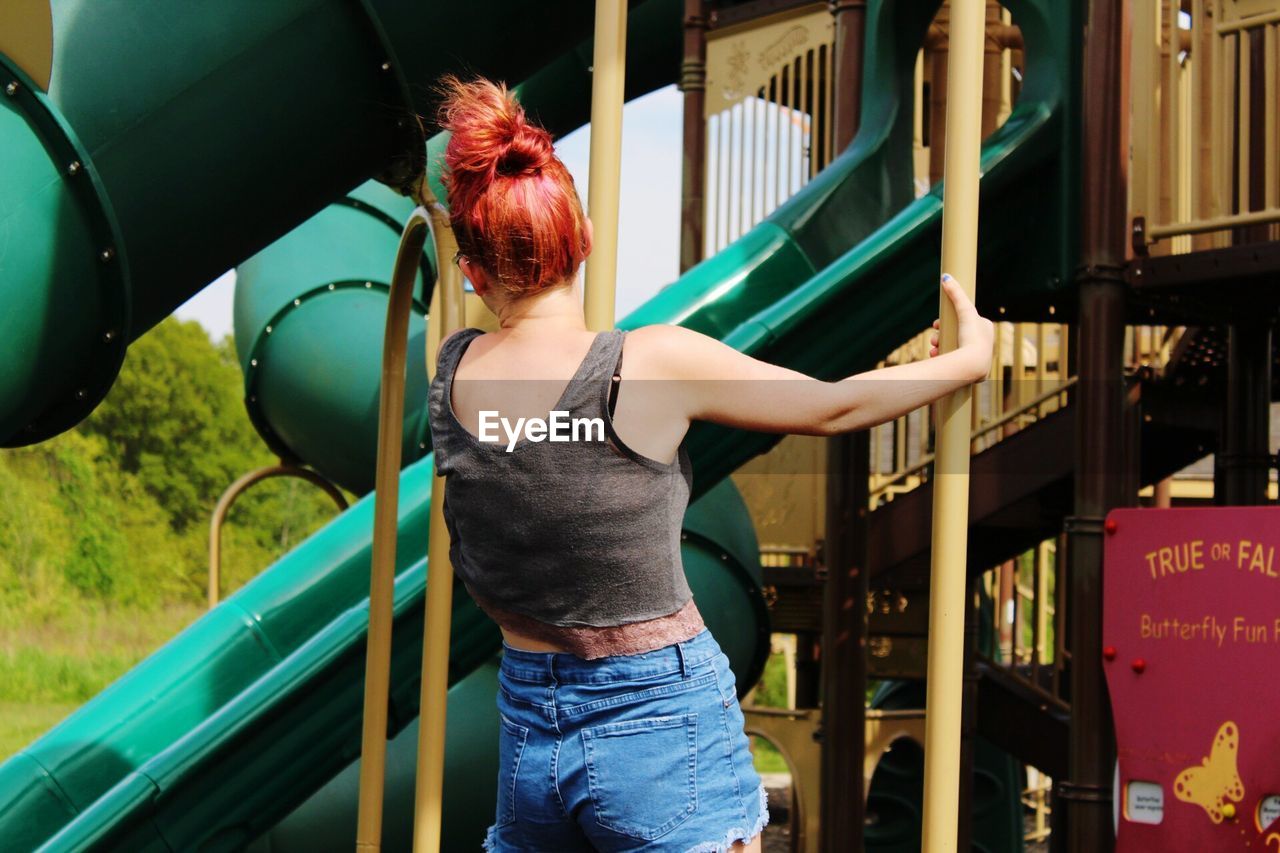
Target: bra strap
{"points": [[616, 379]]}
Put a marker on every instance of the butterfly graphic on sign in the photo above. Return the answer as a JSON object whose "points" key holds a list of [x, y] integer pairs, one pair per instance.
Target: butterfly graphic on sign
{"points": [[1216, 779]]}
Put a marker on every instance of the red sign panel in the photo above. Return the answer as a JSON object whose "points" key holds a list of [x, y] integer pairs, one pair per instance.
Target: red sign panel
{"points": [[1191, 648]]}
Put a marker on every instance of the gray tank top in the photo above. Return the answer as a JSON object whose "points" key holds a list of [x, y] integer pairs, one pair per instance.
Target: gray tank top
{"points": [[582, 532]]}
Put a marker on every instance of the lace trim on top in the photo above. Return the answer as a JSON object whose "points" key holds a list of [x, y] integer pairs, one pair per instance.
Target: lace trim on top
{"points": [[590, 641]]}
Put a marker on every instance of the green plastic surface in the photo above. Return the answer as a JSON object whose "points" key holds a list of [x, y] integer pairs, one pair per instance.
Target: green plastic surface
{"points": [[213, 129]]}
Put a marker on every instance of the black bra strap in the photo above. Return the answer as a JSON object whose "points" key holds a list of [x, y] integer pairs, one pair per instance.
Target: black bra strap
{"points": [[615, 382]]}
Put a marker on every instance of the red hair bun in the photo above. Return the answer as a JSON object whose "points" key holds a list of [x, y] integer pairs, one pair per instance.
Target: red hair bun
{"points": [[512, 202]]}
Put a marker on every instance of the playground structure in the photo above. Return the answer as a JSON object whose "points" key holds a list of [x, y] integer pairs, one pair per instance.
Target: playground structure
{"points": [[821, 253]]}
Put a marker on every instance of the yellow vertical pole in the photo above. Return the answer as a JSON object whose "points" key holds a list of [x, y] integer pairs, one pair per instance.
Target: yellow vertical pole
{"points": [[947, 600], [608, 72], [447, 316], [373, 744]]}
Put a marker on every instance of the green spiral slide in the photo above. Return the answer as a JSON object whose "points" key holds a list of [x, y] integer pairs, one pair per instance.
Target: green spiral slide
{"points": [[202, 137]]}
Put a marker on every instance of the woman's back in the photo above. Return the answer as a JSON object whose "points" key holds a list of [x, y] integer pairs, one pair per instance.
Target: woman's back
{"points": [[563, 523]]}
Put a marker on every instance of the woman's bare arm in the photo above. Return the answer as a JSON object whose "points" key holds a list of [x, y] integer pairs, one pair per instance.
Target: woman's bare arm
{"points": [[719, 384]]}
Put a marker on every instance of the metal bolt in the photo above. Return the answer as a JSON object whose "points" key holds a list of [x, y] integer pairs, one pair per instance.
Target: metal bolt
{"points": [[268, 330], [253, 362], [106, 254], [1051, 310], [331, 287], [11, 88], [108, 336], [386, 66], [368, 284], [422, 445], [1001, 309], [81, 394], [297, 302], [74, 168]]}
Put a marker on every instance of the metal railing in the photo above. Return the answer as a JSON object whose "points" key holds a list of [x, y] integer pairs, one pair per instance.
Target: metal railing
{"points": [[1205, 88], [768, 110]]}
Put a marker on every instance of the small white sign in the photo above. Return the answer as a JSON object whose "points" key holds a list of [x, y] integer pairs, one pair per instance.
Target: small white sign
{"points": [[1268, 810], [1144, 802]]}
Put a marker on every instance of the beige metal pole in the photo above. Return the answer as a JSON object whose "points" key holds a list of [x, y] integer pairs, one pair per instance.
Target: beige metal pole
{"points": [[447, 316], [608, 70], [951, 467], [373, 745]]}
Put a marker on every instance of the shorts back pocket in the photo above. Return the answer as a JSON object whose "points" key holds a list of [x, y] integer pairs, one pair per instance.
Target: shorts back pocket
{"points": [[642, 774], [510, 748]]}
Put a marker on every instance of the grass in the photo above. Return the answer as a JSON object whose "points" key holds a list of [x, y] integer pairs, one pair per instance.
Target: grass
{"points": [[52, 663], [23, 722]]}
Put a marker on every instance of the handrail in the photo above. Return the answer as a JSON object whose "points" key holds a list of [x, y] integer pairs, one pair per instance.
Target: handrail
{"points": [[233, 493], [373, 743], [447, 316], [1198, 94], [1013, 414]]}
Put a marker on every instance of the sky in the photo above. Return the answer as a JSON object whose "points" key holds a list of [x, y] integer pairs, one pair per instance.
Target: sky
{"points": [[649, 230]]}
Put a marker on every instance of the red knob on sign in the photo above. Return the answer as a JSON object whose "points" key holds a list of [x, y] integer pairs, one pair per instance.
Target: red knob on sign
{"points": [[1139, 665], [1109, 652], [1109, 525]]}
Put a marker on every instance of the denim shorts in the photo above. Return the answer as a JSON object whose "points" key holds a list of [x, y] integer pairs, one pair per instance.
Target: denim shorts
{"points": [[621, 753]]}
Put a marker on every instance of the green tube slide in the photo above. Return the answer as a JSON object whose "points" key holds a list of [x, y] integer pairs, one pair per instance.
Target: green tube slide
{"points": [[243, 730], [175, 142]]}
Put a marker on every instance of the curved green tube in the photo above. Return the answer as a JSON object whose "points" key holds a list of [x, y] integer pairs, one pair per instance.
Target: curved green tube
{"points": [[202, 134]]}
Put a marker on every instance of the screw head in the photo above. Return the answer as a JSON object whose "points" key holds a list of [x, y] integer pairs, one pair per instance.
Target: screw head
{"points": [[386, 66], [73, 168], [11, 88], [1109, 525], [1109, 653], [81, 394], [1229, 811], [331, 286], [297, 302], [108, 336], [106, 254], [268, 330], [253, 362], [1139, 665]]}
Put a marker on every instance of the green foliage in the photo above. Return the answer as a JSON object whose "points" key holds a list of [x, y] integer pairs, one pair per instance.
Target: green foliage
{"points": [[104, 530], [771, 691], [175, 419]]}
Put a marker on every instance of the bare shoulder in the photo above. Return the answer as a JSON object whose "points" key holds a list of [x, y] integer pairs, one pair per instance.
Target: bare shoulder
{"points": [[662, 351]]}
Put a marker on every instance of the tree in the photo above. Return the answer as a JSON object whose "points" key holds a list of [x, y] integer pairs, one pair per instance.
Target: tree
{"points": [[175, 418]]}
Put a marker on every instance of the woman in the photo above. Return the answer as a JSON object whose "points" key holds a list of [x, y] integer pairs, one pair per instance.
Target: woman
{"points": [[621, 728]]}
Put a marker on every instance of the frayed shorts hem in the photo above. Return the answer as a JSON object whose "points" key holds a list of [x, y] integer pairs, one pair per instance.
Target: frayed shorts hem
{"points": [[738, 833]]}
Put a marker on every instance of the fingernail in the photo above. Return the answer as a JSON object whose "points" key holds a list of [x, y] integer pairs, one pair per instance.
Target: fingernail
{"points": [[946, 277]]}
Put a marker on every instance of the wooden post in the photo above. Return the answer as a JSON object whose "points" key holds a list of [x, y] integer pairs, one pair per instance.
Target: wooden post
{"points": [[693, 183], [1101, 475], [844, 639]]}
